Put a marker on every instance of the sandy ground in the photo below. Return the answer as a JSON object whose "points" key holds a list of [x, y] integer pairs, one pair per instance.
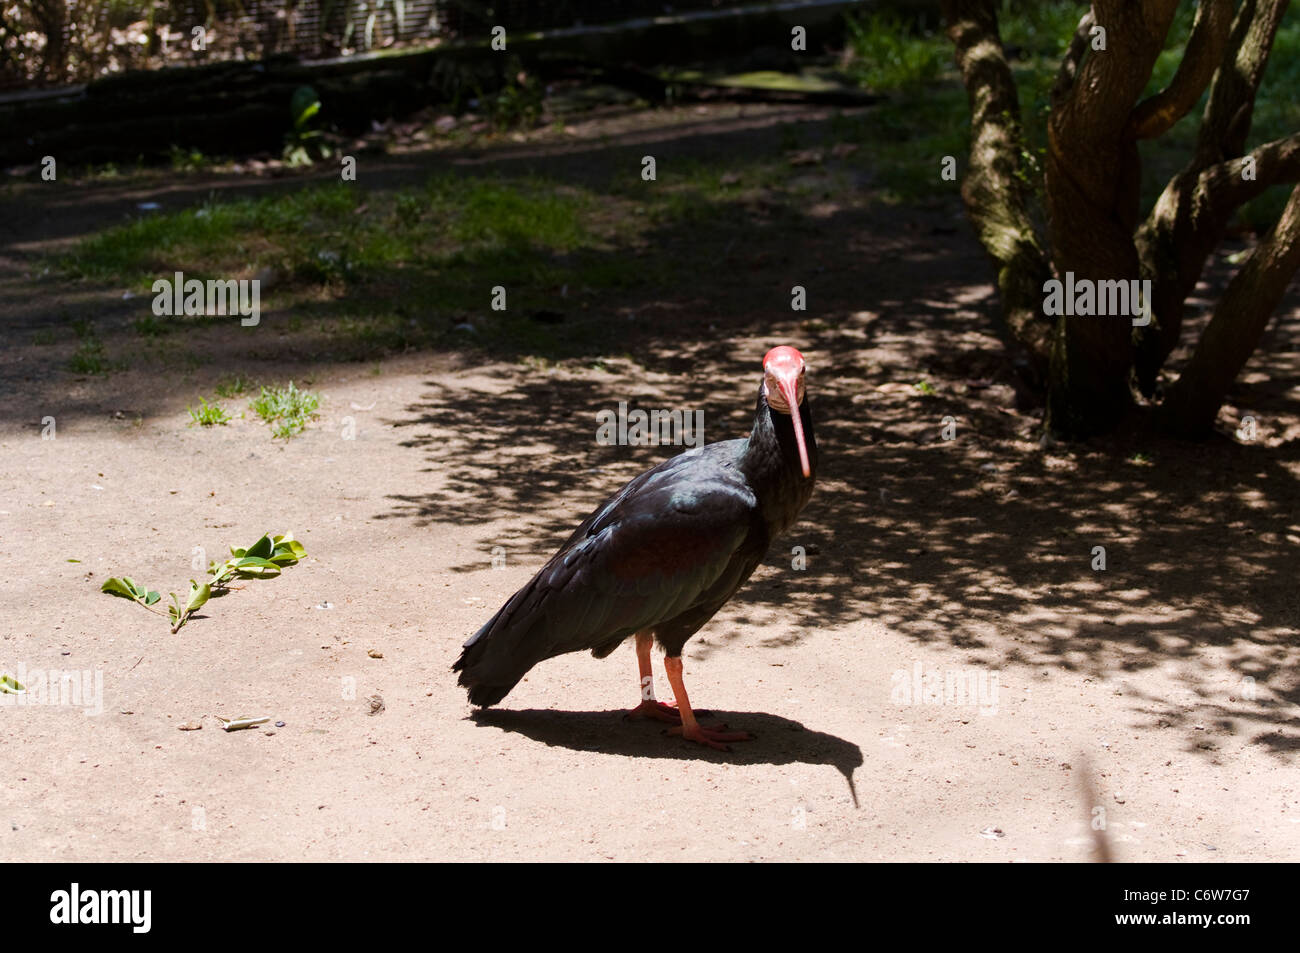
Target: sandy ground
{"points": [[1158, 696], [557, 773]]}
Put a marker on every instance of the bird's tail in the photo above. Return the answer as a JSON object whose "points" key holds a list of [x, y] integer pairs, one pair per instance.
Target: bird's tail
{"points": [[492, 662]]}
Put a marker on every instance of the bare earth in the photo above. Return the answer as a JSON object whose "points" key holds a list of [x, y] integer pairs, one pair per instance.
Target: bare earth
{"points": [[1159, 695]]}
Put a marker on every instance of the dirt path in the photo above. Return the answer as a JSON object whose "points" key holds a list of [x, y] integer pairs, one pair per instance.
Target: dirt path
{"points": [[1160, 694]]}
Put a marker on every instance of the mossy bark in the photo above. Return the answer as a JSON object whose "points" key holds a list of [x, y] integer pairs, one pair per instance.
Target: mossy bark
{"points": [[995, 189]]}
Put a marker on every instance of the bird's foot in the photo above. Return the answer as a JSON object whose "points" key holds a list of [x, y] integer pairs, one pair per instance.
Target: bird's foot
{"points": [[712, 737], [656, 711]]}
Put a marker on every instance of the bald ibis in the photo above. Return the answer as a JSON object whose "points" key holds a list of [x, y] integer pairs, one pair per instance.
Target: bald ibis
{"points": [[660, 557]]}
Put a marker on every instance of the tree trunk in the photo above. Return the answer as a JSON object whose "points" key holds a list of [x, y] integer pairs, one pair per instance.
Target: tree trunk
{"points": [[1092, 185], [1092, 178]]}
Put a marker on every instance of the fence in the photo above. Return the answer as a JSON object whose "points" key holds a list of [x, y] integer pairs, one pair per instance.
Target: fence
{"points": [[55, 42]]}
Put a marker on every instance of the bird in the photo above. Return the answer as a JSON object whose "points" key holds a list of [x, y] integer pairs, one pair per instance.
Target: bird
{"points": [[659, 558]]}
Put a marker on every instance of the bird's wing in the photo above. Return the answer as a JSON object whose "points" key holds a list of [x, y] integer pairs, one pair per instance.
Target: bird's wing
{"points": [[663, 545]]}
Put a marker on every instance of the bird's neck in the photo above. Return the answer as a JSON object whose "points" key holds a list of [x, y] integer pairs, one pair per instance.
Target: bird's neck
{"points": [[771, 464]]}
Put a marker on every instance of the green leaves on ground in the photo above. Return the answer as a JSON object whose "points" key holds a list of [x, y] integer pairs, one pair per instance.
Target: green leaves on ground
{"points": [[266, 557], [126, 586], [280, 550], [198, 596], [10, 685], [304, 143]]}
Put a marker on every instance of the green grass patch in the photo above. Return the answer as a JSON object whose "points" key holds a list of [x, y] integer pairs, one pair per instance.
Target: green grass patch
{"points": [[392, 271], [286, 409], [89, 358], [908, 140], [338, 235], [151, 326], [888, 53], [1032, 30], [207, 415]]}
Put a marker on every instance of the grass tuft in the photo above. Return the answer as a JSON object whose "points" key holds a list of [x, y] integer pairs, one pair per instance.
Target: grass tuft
{"points": [[887, 54], [207, 415], [286, 409]]}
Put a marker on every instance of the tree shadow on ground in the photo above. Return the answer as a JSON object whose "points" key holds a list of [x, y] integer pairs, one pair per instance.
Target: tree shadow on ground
{"points": [[985, 542]]}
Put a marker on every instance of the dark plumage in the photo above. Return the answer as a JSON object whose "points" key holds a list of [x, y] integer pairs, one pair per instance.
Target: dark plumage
{"points": [[662, 555]]}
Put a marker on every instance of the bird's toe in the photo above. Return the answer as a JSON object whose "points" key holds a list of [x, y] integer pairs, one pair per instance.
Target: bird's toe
{"points": [[655, 711], [710, 737]]}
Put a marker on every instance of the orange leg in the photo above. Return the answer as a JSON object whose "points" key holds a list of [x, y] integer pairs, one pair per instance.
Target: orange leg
{"points": [[649, 708], [690, 728]]}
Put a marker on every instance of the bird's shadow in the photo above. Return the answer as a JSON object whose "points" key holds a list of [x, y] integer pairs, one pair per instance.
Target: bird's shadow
{"points": [[776, 740]]}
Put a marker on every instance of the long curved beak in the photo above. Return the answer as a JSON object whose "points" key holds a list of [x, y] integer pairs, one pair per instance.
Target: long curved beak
{"points": [[790, 391]]}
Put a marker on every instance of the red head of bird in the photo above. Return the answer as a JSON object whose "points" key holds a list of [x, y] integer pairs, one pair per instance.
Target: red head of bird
{"points": [[783, 370]]}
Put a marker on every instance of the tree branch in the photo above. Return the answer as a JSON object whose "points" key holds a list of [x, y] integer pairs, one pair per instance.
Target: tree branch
{"points": [[1222, 188], [996, 199], [1135, 34], [1234, 332], [1189, 218], [1206, 43], [1226, 122]]}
